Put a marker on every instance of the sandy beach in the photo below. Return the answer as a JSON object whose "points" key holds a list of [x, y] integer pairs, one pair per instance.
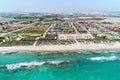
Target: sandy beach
{"points": [[71, 47]]}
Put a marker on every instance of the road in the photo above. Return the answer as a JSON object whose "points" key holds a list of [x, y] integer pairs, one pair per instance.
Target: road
{"points": [[47, 30], [44, 35], [83, 27], [2, 34], [74, 28]]}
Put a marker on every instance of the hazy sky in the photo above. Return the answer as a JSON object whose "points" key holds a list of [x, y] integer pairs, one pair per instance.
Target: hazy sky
{"points": [[59, 5]]}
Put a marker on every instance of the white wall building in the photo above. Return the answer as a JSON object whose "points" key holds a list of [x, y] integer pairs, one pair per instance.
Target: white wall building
{"points": [[74, 36]]}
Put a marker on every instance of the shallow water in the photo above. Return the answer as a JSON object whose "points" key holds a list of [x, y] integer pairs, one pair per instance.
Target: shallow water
{"points": [[99, 65]]}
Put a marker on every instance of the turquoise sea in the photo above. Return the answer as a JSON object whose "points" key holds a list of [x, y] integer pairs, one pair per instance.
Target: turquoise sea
{"points": [[98, 65]]}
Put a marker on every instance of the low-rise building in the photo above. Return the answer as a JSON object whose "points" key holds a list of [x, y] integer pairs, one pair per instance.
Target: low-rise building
{"points": [[14, 38], [1, 29], [109, 36], [74, 36]]}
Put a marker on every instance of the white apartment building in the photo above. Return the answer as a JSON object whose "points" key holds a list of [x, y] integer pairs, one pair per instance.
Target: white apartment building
{"points": [[74, 36]]}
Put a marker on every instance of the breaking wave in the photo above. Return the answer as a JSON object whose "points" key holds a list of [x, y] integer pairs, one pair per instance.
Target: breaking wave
{"points": [[103, 58], [31, 64]]}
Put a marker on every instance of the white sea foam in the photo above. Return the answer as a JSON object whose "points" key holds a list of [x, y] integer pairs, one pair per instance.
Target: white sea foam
{"points": [[31, 64], [55, 62], [58, 62], [103, 58], [19, 65]]}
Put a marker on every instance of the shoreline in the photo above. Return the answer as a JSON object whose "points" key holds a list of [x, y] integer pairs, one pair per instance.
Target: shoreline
{"points": [[63, 48]]}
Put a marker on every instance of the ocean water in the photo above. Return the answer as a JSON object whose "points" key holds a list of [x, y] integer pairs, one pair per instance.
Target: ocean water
{"points": [[99, 65]]}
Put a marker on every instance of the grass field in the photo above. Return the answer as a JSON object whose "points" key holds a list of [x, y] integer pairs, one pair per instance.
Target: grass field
{"points": [[29, 31], [32, 31]]}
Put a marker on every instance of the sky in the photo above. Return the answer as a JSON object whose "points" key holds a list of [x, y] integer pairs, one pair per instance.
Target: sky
{"points": [[66, 6]]}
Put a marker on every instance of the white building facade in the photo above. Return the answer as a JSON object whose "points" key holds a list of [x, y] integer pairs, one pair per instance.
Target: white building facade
{"points": [[74, 36]]}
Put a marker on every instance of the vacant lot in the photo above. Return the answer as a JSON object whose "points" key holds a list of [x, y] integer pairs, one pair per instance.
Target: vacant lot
{"points": [[31, 31]]}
